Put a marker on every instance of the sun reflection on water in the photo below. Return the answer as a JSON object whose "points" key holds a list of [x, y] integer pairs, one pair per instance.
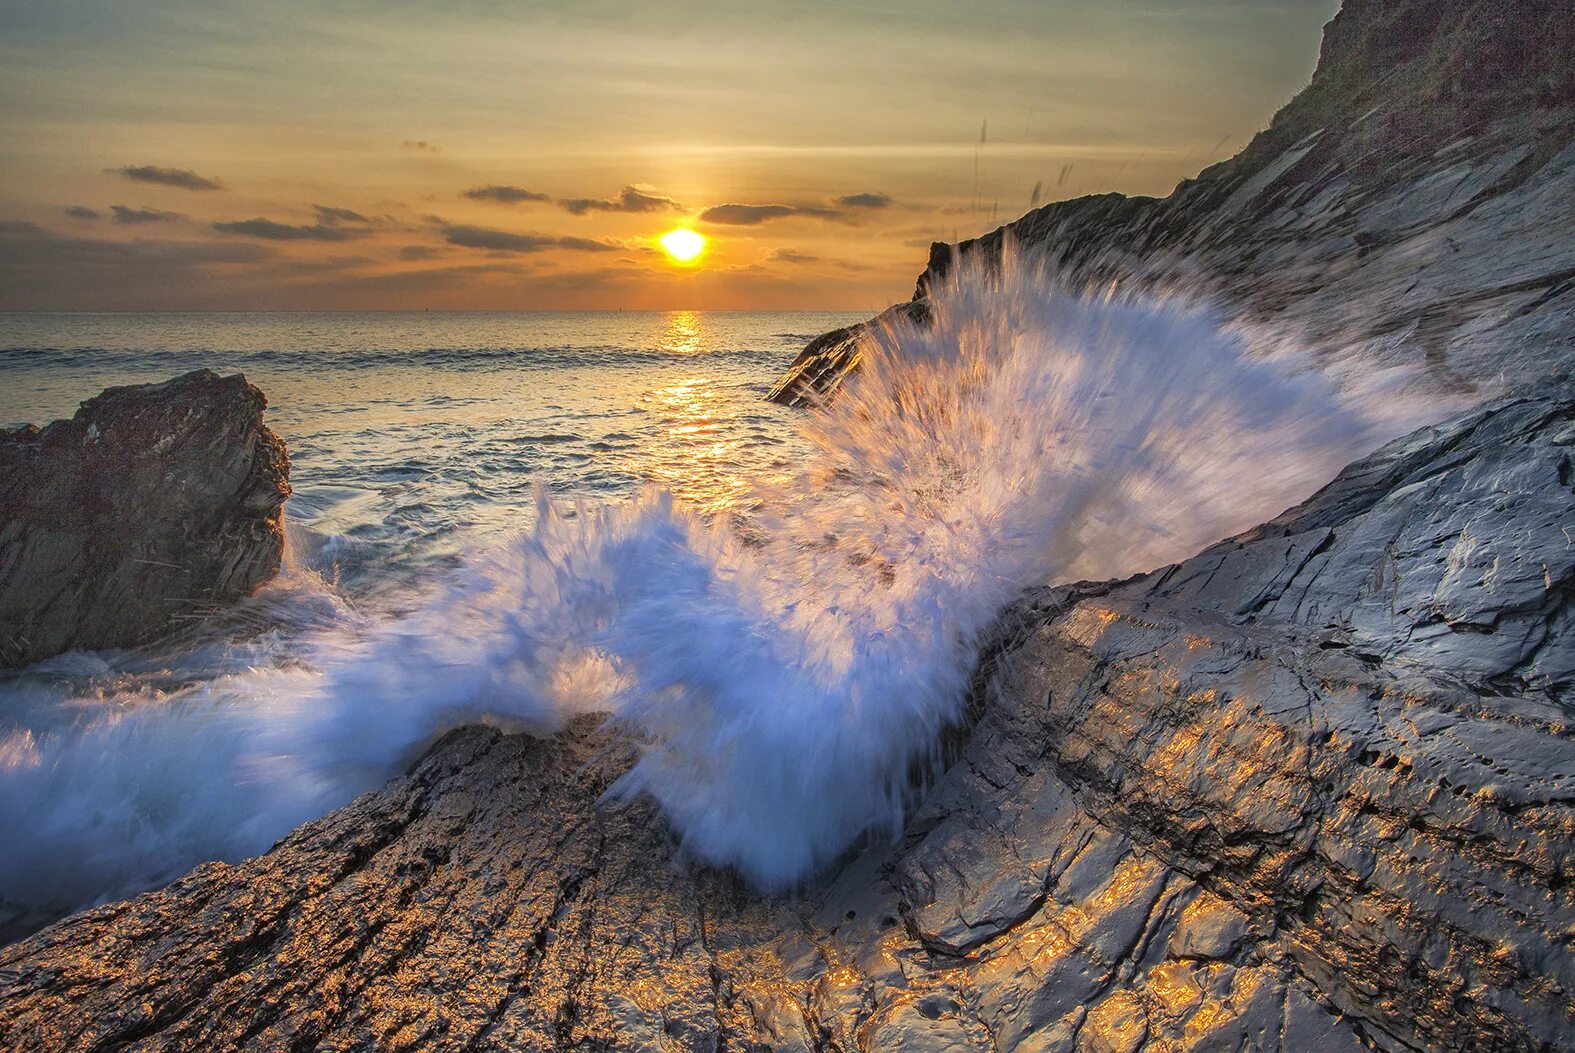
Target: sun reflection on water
{"points": [[682, 336]]}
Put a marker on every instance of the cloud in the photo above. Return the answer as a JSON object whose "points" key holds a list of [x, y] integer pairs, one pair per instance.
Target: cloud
{"points": [[184, 178], [421, 146], [736, 215], [507, 241], [332, 217], [634, 198], [28, 244], [41, 269], [131, 216], [419, 252], [793, 256], [272, 231], [496, 240], [504, 195], [80, 212], [588, 245], [865, 200]]}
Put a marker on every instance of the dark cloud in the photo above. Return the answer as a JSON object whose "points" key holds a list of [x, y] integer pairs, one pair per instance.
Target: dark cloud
{"points": [[507, 241], [588, 245], [81, 212], [133, 216], [629, 199], [332, 217], [184, 178], [740, 215], [272, 231], [865, 200], [496, 240], [793, 256], [29, 241], [421, 145], [505, 195], [736, 215], [41, 269], [419, 252]]}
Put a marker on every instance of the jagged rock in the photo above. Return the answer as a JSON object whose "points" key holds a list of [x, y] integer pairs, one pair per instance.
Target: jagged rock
{"points": [[1415, 204], [1313, 789], [152, 504]]}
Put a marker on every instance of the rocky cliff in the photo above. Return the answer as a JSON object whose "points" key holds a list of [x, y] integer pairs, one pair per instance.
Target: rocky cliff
{"points": [[1414, 204], [149, 506], [1312, 789]]}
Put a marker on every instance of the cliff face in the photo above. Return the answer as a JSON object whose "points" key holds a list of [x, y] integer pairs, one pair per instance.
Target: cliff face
{"points": [[1313, 789], [151, 504], [1414, 204]]}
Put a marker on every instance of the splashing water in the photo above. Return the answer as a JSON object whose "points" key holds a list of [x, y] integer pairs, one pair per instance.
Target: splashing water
{"points": [[785, 677]]}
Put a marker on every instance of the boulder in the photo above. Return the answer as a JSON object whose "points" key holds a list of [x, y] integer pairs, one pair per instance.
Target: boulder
{"points": [[150, 506]]}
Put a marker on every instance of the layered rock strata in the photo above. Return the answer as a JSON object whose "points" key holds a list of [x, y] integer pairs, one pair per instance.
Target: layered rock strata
{"points": [[1312, 789]]}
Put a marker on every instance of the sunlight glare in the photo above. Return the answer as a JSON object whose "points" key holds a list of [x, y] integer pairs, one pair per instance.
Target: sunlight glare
{"points": [[683, 244]]}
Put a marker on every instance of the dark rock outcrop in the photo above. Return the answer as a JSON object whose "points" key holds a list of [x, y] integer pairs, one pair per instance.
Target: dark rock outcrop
{"points": [[1414, 204], [1313, 789], [154, 503]]}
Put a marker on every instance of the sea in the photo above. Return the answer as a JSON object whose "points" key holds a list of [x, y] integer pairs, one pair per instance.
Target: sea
{"points": [[413, 435], [518, 519]]}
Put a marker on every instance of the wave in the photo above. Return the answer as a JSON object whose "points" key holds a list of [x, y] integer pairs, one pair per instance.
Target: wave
{"points": [[786, 677]]}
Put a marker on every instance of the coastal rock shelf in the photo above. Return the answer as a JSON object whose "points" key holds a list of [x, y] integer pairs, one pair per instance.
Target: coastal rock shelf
{"points": [[1312, 789], [153, 504], [1414, 205]]}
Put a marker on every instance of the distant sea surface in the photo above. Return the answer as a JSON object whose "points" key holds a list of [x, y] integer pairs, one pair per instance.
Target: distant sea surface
{"points": [[411, 434]]}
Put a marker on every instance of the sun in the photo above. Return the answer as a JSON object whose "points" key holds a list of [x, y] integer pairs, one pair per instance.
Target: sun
{"points": [[682, 244]]}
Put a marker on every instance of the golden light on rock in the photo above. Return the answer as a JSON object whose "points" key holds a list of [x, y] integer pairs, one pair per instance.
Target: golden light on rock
{"points": [[683, 245]]}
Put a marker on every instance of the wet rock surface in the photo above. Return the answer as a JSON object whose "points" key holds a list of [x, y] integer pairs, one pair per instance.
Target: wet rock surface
{"points": [[1414, 205], [151, 505], [1313, 789]]}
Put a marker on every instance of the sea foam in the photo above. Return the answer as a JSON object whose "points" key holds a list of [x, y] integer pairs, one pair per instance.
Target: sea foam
{"points": [[786, 677]]}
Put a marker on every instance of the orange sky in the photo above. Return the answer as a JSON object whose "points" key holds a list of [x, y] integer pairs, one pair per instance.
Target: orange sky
{"points": [[478, 154]]}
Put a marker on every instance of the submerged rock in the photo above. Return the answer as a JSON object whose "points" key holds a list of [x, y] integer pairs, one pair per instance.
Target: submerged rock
{"points": [[1415, 205], [1313, 789], [152, 504]]}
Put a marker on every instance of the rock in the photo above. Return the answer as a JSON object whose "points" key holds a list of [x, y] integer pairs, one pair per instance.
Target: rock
{"points": [[1313, 789], [151, 505], [1415, 204]]}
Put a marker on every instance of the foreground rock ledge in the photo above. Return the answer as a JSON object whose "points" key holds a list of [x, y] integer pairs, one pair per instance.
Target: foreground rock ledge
{"points": [[153, 504], [1313, 789]]}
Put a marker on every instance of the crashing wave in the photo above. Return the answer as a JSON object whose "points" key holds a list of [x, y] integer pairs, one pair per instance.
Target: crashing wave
{"points": [[785, 677]]}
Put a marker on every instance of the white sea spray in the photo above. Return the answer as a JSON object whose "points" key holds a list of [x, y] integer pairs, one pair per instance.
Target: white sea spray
{"points": [[785, 678]]}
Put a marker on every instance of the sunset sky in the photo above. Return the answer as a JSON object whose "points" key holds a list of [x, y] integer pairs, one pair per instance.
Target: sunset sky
{"points": [[479, 154]]}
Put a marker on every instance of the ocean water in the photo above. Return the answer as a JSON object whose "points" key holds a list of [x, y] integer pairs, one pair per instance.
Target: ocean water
{"points": [[498, 524], [413, 435]]}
